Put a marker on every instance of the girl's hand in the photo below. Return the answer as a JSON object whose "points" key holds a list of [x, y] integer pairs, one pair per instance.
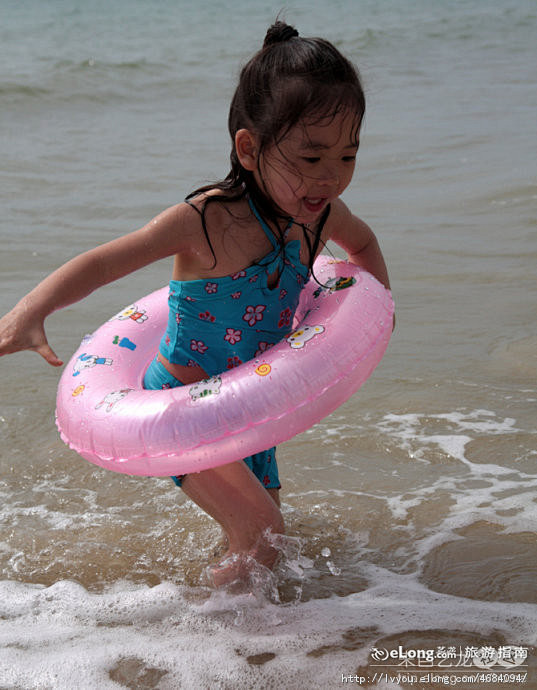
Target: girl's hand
{"points": [[19, 331], [171, 232]]}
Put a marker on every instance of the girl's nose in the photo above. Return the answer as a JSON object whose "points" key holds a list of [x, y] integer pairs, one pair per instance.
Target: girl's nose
{"points": [[328, 176]]}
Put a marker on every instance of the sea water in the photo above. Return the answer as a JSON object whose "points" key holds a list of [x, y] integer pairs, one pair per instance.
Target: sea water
{"points": [[411, 511]]}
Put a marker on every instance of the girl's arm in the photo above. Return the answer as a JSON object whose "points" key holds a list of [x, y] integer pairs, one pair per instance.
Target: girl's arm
{"points": [[359, 241], [23, 327]]}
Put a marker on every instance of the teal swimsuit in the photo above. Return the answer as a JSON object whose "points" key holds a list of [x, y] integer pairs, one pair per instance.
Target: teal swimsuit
{"points": [[218, 323]]}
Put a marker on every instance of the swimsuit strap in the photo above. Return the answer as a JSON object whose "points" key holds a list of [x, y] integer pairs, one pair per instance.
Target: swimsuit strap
{"points": [[268, 232], [288, 228]]}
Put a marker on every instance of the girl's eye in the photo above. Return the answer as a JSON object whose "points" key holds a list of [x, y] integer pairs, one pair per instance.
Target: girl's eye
{"points": [[349, 159]]}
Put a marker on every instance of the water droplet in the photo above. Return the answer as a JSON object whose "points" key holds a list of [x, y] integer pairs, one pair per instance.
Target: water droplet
{"points": [[333, 569]]}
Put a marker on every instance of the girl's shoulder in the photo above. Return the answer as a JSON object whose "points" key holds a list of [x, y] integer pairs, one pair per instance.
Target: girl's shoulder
{"points": [[339, 213], [339, 219], [346, 229], [222, 237], [342, 219], [215, 207], [217, 203], [208, 212]]}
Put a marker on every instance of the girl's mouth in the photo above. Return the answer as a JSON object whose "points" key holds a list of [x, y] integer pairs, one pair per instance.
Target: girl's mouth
{"points": [[314, 204]]}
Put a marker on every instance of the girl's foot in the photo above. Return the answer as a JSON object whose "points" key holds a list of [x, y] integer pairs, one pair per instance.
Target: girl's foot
{"points": [[239, 567]]}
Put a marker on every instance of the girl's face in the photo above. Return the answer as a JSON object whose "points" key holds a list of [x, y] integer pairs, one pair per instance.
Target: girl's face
{"points": [[310, 166]]}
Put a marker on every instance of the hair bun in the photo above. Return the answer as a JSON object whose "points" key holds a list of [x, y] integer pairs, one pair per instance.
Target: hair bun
{"points": [[279, 32]]}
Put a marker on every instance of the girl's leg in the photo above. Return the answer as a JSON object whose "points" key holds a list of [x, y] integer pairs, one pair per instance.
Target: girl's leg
{"points": [[235, 498], [275, 495]]}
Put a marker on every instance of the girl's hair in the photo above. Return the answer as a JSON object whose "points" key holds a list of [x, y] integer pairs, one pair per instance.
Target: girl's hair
{"points": [[289, 79]]}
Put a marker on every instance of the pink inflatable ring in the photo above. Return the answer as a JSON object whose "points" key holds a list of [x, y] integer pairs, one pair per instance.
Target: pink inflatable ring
{"points": [[342, 328]]}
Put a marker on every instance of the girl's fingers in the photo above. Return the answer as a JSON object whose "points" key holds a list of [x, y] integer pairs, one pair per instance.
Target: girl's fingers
{"points": [[49, 355]]}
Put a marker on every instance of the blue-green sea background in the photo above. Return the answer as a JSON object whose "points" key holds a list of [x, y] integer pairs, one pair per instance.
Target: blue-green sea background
{"points": [[411, 511]]}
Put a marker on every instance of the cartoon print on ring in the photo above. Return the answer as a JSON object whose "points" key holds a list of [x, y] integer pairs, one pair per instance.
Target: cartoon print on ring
{"points": [[131, 312], [112, 398], [298, 339], [334, 284], [85, 361], [205, 388]]}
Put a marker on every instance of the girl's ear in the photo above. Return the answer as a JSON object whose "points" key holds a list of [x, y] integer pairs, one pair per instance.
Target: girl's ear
{"points": [[246, 148]]}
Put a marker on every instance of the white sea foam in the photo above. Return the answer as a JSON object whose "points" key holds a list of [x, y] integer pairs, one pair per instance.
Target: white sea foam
{"points": [[501, 495], [64, 636], [410, 429]]}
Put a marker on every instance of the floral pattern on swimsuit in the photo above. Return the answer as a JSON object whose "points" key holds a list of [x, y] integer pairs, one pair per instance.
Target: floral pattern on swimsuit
{"points": [[219, 323]]}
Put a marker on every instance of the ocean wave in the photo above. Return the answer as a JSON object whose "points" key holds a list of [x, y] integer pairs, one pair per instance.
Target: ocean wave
{"points": [[95, 64], [13, 90], [92, 80]]}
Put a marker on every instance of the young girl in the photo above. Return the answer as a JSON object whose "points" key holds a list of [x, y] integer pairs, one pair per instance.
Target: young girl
{"points": [[243, 249]]}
